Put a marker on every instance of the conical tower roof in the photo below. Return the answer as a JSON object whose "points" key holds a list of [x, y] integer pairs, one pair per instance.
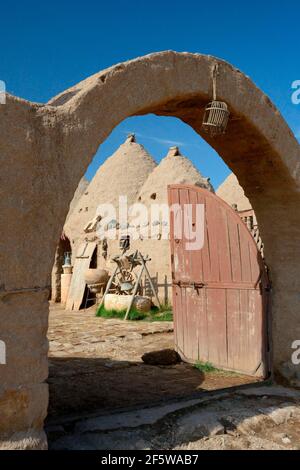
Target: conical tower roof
{"points": [[80, 190], [173, 169], [122, 174], [232, 193]]}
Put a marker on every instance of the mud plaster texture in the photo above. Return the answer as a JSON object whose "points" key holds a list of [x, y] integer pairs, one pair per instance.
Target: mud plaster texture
{"points": [[232, 193], [45, 150]]}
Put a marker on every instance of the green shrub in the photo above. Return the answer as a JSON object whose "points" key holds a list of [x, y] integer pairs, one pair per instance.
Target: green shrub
{"points": [[164, 313], [162, 316], [205, 367], [155, 314], [133, 314]]}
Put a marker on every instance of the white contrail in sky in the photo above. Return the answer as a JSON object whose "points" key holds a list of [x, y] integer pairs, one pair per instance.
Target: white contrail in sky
{"points": [[158, 140]]}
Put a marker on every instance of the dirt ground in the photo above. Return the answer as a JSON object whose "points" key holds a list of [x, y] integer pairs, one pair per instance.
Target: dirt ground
{"points": [[103, 397], [262, 418], [95, 364]]}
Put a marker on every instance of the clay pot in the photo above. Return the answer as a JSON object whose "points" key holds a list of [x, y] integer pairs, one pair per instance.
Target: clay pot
{"points": [[96, 288], [67, 269], [96, 276]]}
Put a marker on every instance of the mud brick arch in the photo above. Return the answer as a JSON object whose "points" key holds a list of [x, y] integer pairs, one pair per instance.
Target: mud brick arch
{"points": [[46, 148]]}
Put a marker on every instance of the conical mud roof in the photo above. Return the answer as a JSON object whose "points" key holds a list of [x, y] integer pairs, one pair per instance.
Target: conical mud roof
{"points": [[232, 193], [173, 169], [80, 190], [122, 174]]}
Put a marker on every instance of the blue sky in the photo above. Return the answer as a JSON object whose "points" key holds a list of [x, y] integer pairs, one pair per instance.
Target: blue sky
{"points": [[48, 46]]}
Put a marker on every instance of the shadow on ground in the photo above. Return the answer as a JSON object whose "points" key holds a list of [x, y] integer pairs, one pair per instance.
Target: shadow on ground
{"points": [[82, 385]]}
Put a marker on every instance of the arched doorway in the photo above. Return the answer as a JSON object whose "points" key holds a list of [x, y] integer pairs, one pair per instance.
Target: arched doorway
{"points": [[46, 150], [63, 251]]}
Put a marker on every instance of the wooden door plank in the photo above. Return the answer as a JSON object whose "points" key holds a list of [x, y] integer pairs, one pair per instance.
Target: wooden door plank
{"points": [[196, 262], [178, 252], [206, 271], [224, 246], [178, 323], [217, 327], [233, 328], [234, 242], [256, 334], [213, 233], [245, 255], [255, 264], [186, 254], [203, 332]]}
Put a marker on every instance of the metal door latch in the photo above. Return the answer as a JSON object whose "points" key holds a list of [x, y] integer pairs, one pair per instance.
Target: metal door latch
{"points": [[193, 285]]}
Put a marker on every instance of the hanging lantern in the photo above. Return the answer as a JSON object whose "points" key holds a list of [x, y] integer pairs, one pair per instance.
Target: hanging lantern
{"points": [[216, 113]]}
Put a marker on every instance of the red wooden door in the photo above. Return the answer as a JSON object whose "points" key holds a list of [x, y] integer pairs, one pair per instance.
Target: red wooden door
{"points": [[220, 291]]}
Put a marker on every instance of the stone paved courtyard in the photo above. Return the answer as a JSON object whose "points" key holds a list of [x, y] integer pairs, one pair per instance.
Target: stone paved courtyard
{"points": [[95, 364]]}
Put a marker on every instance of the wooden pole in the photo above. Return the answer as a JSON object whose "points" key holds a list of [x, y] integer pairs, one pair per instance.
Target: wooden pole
{"points": [[134, 291], [108, 286], [150, 280]]}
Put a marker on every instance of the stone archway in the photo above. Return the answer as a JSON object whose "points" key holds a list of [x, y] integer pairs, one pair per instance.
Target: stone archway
{"points": [[45, 150]]}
